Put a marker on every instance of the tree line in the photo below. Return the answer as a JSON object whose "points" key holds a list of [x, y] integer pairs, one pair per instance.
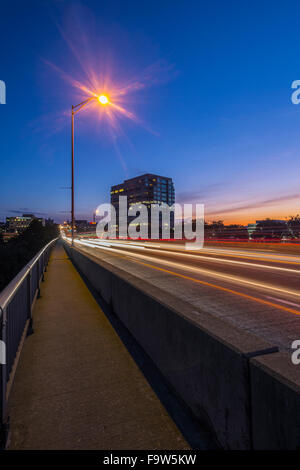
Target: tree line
{"points": [[18, 251]]}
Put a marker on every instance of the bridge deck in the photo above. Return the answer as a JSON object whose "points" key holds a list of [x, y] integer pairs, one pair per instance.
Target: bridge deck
{"points": [[76, 385]]}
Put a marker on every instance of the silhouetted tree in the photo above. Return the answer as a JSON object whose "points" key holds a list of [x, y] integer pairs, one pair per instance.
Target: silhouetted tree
{"points": [[20, 250], [269, 229], [293, 224]]}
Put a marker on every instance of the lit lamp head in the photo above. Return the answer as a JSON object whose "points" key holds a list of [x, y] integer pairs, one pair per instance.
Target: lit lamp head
{"points": [[103, 99]]}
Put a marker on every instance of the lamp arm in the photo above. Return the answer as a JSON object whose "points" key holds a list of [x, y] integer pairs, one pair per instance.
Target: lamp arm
{"points": [[81, 105]]}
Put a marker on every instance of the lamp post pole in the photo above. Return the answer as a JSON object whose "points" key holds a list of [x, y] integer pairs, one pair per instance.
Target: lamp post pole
{"points": [[72, 176], [103, 99]]}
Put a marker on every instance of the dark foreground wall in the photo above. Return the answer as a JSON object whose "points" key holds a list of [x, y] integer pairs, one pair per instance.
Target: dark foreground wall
{"points": [[275, 389], [213, 367]]}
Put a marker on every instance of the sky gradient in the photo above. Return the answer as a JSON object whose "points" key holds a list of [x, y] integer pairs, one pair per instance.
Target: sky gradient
{"points": [[207, 88]]}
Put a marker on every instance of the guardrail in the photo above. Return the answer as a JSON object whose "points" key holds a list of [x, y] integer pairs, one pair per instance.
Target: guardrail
{"points": [[16, 303]]}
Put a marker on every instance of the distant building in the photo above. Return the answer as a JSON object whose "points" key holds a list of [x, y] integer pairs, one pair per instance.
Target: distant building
{"points": [[81, 225], [85, 226], [20, 223], [270, 221], [17, 224], [8, 236], [146, 189], [268, 228]]}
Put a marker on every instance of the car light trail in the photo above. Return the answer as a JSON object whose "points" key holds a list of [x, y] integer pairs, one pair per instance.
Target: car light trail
{"points": [[193, 256], [293, 259], [284, 301], [234, 279], [205, 283], [225, 289]]}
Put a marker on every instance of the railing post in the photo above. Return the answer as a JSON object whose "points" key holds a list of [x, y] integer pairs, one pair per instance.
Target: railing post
{"points": [[38, 278], [38, 270], [29, 313], [46, 263], [43, 267], [4, 422]]}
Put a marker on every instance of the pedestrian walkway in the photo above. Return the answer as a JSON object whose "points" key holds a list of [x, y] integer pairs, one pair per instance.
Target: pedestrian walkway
{"points": [[76, 385]]}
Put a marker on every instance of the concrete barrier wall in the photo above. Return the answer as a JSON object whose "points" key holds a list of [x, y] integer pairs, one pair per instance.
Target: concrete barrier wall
{"points": [[275, 390], [206, 363]]}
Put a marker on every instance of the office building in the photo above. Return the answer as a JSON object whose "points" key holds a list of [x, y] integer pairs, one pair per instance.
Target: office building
{"points": [[20, 223], [146, 189]]}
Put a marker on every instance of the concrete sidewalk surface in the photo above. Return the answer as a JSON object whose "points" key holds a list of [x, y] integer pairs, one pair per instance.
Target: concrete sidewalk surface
{"points": [[76, 386]]}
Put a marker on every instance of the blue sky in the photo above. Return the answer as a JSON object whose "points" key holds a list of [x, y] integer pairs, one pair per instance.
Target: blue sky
{"points": [[214, 106]]}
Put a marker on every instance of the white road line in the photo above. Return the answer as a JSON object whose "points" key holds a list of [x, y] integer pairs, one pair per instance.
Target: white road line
{"points": [[283, 301]]}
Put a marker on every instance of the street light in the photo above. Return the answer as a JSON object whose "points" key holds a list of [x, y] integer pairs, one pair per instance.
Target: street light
{"points": [[103, 99]]}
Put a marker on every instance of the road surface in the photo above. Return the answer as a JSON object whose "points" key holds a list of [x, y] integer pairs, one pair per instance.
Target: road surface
{"points": [[254, 290]]}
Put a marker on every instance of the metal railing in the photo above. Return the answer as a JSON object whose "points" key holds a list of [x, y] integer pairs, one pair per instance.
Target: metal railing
{"points": [[16, 302]]}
